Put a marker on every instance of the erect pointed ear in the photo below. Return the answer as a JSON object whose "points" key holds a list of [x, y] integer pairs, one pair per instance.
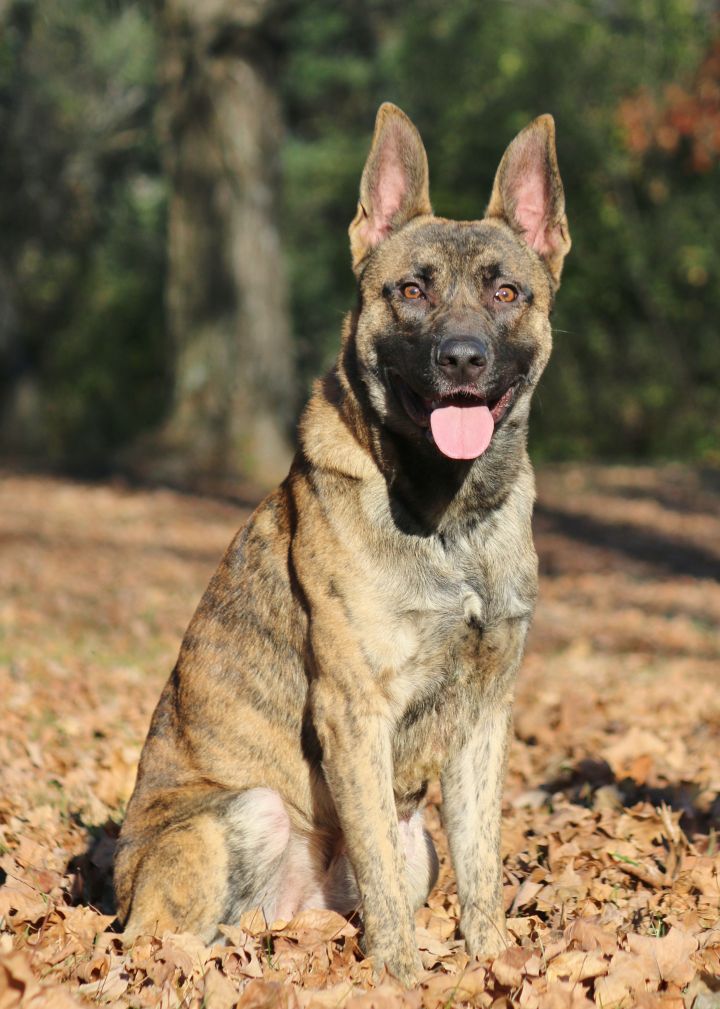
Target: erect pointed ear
{"points": [[528, 194], [394, 187]]}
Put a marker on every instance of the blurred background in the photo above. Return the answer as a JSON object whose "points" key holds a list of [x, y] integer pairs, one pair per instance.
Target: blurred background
{"points": [[176, 182]]}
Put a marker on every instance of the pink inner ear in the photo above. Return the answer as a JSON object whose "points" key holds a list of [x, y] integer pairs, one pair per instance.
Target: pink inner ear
{"points": [[388, 191], [531, 210], [391, 184], [373, 232]]}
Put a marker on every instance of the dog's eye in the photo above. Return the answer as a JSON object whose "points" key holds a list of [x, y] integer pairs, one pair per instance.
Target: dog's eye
{"points": [[412, 292], [506, 294]]}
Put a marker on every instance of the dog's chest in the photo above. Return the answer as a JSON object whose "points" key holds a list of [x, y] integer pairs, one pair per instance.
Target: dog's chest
{"points": [[432, 620], [443, 629]]}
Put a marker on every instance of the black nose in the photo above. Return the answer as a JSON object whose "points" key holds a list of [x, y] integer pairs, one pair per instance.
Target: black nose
{"points": [[462, 360]]}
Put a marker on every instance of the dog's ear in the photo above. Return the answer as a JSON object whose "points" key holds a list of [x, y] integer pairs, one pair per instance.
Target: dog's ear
{"points": [[528, 194], [394, 187]]}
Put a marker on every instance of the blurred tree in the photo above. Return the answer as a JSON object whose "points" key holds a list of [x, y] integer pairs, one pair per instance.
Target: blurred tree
{"points": [[82, 354], [332, 84], [685, 119], [234, 393], [85, 364]]}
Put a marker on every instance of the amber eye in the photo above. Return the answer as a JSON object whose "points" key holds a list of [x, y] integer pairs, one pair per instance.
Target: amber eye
{"points": [[506, 294], [412, 292]]}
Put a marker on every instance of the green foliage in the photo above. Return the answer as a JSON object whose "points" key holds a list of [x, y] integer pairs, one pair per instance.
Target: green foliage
{"points": [[636, 362], [82, 203], [106, 365], [81, 225]]}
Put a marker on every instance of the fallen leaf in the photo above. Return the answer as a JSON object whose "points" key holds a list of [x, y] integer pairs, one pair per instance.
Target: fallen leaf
{"points": [[107, 988], [589, 935], [576, 965], [671, 954], [218, 991], [268, 995], [17, 983], [509, 967], [309, 927]]}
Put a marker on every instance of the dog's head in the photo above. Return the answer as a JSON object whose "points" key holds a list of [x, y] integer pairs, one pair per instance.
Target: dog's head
{"points": [[453, 333]]}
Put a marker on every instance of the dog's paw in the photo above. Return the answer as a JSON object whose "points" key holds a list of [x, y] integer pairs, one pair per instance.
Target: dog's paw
{"points": [[398, 959], [405, 968], [486, 939], [393, 949]]}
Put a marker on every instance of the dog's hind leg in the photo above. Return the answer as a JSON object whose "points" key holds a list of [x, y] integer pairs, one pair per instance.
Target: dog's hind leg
{"points": [[260, 843], [194, 874], [180, 880]]}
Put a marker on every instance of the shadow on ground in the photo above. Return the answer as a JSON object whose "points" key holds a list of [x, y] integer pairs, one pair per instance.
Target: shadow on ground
{"points": [[92, 871], [667, 554], [591, 781]]}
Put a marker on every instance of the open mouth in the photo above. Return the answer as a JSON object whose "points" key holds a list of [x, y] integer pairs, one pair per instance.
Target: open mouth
{"points": [[461, 424]]}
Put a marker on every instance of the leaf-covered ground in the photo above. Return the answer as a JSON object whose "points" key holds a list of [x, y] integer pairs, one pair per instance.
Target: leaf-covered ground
{"points": [[611, 807]]}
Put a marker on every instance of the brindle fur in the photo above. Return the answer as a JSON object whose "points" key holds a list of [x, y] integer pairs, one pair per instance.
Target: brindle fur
{"points": [[363, 631]]}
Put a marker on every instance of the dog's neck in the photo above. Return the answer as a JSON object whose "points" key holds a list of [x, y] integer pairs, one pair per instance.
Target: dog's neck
{"points": [[436, 494], [427, 492]]}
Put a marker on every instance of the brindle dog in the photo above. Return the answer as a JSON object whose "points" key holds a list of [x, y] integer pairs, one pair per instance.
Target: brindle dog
{"points": [[363, 631]]}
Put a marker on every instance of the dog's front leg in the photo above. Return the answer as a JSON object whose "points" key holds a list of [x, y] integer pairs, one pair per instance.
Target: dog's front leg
{"points": [[472, 792], [357, 761]]}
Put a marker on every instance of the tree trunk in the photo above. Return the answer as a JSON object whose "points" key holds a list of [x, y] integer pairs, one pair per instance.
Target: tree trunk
{"points": [[226, 292]]}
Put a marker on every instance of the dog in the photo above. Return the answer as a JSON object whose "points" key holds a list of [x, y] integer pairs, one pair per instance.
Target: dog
{"points": [[363, 632]]}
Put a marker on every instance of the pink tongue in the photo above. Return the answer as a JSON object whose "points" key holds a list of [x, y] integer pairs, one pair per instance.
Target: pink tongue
{"points": [[462, 432]]}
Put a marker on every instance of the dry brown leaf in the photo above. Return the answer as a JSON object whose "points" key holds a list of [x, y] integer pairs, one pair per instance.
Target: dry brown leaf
{"points": [[184, 952], [310, 927], [21, 906], [671, 954], [218, 991], [565, 996], [509, 967], [660, 1000], [85, 923], [703, 993], [702, 874], [520, 928], [107, 988], [437, 921], [589, 935], [17, 983], [433, 950], [19, 989], [445, 990], [529, 997], [95, 968], [387, 995], [627, 975], [525, 895], [332, 997], [253, 922], [235, 935], [268, 995], [708, 960], [576, 965], [51, 955], [241, 957], [646, 873]]}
